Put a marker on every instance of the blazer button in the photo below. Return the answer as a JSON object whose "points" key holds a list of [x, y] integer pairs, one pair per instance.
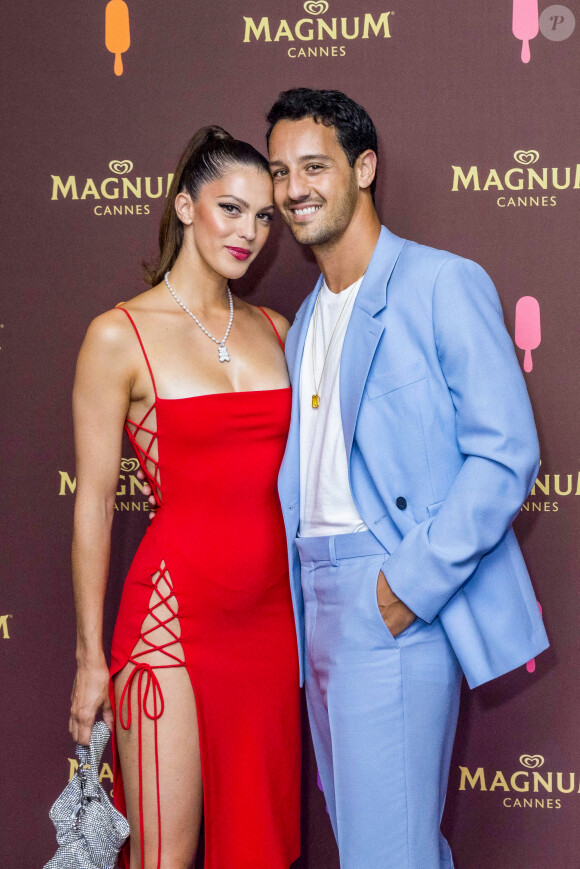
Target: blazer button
{"points": [[401, 503]]}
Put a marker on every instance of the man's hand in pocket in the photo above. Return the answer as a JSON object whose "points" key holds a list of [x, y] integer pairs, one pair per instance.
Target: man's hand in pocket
{"points": [[396, 615]]}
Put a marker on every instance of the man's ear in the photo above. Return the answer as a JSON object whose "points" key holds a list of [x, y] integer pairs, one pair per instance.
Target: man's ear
{"points": [[185, 208], [365, 168]]}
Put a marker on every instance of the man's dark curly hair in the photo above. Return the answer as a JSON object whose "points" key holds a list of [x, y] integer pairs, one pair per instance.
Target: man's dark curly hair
{"points": [[355, 130]]}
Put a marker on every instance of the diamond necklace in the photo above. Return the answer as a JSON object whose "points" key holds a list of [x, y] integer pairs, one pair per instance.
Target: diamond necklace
{"points": [[223, 354]]}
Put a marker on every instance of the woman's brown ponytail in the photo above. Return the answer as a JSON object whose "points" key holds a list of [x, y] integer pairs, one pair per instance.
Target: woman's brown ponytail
{"points": [[207, 156]]}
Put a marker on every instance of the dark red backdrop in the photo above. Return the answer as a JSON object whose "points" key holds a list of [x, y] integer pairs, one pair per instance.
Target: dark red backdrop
{"points": [[447, 88]]}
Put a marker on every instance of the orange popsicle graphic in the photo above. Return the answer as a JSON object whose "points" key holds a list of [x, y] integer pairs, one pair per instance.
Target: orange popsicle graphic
{"points": [[525, 24], [528, 328], [117, 33]]}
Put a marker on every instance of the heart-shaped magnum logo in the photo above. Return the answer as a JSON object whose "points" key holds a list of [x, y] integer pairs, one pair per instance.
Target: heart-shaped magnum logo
{"points": [[316, 7], [526, 157], [532, 761], [129, 465], [120, 167]]}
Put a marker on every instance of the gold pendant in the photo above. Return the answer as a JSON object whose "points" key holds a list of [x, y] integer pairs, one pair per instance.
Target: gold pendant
{"points": [[315, 401]]}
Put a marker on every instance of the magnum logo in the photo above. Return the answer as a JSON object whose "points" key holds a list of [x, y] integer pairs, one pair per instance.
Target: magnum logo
{"points": [[549, 486], [526, 157], [117, 32], [527, 788], [121, 167], [532, 761], [542, 182], [314, 8], [118, 194], [105, 772], [129, 485], [4, 632], [315, 28]]}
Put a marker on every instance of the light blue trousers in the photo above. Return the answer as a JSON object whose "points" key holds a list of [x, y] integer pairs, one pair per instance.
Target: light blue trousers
{"points": [[382, 711]]}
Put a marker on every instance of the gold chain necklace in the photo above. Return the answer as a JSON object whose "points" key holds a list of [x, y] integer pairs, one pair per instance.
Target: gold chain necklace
{"points": [[316, 395]]}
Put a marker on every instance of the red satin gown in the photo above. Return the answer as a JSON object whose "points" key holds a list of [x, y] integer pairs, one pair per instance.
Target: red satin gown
{"points": [[214, 558]]}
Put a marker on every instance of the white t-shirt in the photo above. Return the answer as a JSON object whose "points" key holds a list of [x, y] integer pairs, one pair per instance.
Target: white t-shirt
{"points": [[326, 503]]}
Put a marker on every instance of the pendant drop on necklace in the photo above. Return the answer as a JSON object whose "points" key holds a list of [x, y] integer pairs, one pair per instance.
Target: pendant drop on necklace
{"points": [[224, 356], [315, 401]]}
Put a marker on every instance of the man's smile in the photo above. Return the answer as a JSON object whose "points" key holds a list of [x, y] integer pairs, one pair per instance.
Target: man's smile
{"points": [[303, 211]]}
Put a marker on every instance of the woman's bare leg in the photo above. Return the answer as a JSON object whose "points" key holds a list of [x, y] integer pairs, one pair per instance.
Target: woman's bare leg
{"points": [[180, 779]]}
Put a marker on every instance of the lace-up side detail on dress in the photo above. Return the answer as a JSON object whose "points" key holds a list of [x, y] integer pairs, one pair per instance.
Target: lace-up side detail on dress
{"points": [[136, 432], [143, 435], [159, 638]]}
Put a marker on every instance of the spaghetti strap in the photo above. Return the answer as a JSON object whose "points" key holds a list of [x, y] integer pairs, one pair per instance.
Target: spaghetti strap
{"points": [[267, 316], [142, 347]]}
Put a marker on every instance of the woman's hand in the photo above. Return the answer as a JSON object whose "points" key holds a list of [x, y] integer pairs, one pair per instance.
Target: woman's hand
{"points": [[90, 693], [153, 505]]}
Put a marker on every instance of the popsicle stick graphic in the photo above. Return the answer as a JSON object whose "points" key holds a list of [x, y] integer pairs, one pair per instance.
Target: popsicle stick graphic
{"points": [[528, 329], [525, 24], [531, 665], [117, 33]]}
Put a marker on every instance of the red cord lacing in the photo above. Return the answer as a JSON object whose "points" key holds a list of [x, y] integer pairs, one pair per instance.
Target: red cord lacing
{"points": [[145, 672]]}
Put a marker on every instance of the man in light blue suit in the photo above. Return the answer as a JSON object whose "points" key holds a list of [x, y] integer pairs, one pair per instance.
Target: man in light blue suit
{"points": [[411, 449]]}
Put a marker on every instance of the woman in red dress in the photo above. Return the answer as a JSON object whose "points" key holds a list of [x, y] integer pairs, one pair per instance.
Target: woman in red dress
{"points": [[202, 691]]}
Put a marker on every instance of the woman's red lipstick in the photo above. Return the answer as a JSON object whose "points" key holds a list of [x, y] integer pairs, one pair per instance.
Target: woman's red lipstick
{"points": [[240, 253]]}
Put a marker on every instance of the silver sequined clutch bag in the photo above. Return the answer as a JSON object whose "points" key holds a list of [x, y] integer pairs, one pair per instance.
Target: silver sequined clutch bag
{"points": [[89, 830]]}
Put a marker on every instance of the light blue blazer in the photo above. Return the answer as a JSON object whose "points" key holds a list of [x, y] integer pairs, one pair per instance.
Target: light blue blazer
{"points": [[441, 449]]}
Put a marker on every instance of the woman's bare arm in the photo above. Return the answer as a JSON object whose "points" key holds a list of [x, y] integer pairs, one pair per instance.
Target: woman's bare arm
{"points": [[101, 398]]}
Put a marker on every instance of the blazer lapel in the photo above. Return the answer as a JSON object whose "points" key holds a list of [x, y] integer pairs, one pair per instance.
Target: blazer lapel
{"points": [[364, 332], [289, 478]]}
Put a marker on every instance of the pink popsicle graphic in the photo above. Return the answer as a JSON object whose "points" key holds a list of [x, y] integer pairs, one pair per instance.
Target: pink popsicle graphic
{"points": [[528, 330], [531, 665], [525, 24]]}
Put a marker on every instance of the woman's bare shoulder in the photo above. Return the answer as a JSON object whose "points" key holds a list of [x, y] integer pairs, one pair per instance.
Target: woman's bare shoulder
{"points": [[280, 322], [111, 328]]}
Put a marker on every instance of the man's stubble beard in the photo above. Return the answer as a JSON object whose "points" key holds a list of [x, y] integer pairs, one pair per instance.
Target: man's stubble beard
{"points": [[336, 225]]}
